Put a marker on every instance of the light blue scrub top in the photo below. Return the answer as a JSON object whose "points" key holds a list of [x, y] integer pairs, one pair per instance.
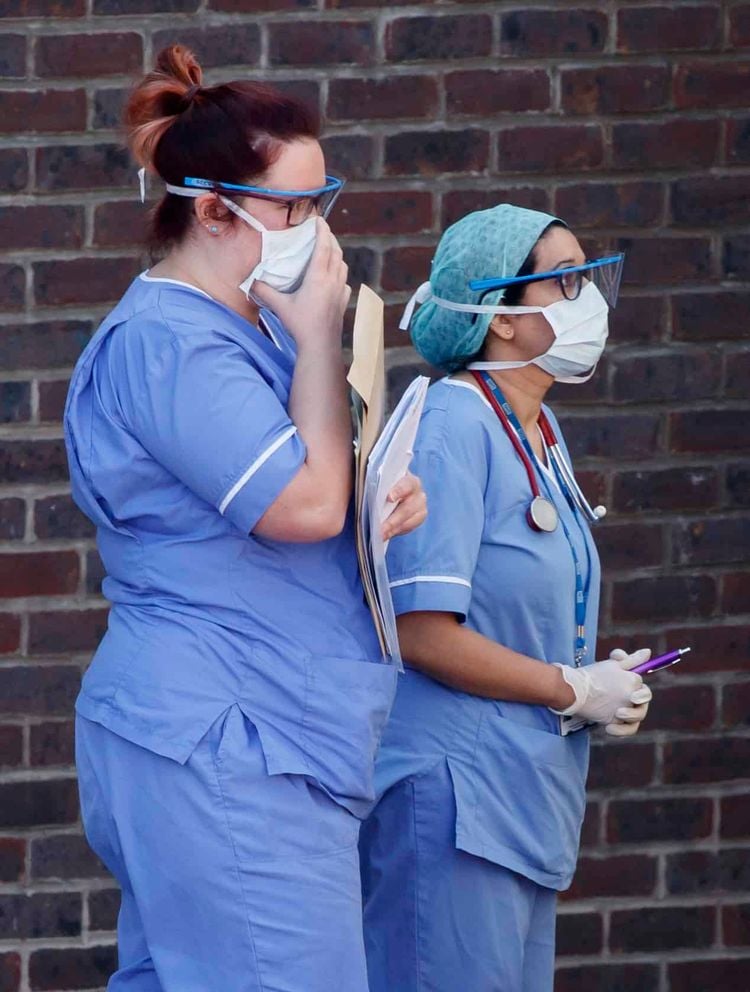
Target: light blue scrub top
{"points": [[179, 440], [519, 785]]}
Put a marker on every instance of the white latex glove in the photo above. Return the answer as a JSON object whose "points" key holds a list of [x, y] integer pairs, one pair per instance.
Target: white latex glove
{"points": [[602, 689], [628, 719]]}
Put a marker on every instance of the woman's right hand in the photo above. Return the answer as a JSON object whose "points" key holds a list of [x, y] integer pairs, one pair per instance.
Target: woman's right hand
{"points": [[603, 689], [314, 313]]}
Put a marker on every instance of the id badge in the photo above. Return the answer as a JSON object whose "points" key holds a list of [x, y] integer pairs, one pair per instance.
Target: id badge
{"points": [[571, 724]]}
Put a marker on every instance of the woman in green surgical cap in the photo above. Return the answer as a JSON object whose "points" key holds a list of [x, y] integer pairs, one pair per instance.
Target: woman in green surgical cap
{"points": [[482, 770]]}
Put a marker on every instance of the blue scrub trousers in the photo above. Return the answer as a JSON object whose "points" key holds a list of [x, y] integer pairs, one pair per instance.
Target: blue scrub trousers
{"points": [[438, 919], [233, 880]]}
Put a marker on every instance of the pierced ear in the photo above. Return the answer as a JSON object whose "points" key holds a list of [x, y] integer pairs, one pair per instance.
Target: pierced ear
{"points": [[210, 210], [502, 327]]}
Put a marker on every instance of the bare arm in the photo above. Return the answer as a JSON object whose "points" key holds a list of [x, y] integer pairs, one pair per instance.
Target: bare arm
{"points": [[438, 645]]}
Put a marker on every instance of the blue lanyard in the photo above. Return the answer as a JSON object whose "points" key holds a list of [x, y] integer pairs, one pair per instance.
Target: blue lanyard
{"points": [[582, 589]]}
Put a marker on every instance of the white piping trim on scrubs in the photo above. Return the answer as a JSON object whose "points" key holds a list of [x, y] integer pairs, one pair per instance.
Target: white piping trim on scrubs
{"points": [[175, 282], [468, 385], [259, 461], [451, 579]]}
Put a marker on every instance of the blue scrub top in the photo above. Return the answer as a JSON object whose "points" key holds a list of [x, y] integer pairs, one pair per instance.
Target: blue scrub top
{"points": [[178, 441], [519, 785]]}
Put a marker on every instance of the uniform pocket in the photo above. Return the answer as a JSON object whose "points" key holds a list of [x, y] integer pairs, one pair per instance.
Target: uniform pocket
{"points": [[520, 800]]}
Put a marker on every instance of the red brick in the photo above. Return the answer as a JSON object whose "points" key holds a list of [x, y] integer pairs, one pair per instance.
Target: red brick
{"points": [[701, 201], [10, 633], [434, 152], [739, 25], [393, 212], [700, 976], [737, 367], [120, 224], [25, 916], [608, 978], [591, 825], [11, 754], [716, 648], [12, 287], [633, 821], [12, 56], [104, 906], [738, 484], [550, 148], [38, 803], [71, 968], [623, 546], [64, 856], [594, 436], [735, 816], [153, 6], [706, 760], [15, 402], [615, 89], [246, 6], [712, 541], [32, 461], [680, 707], [46, 344], [654, 261], [10, 967], [484, 92], [48, 226], [714, 316], [314, 43], [578, 933], [229, 44], [56, 631], [553, 32], [665, 489], [735, 593], [736, 705], [665, 144], [12, 519], [620, 875], [661, 928], [663, 598], [52, 743], [52, 399], [629, 764], [109, 104], [59, 517], [735, 923], [708, 86], [679, 374], [404, 268], [12, 860], [707, 431], [738, 140], [351, 155], [87, 55], [736, 257], [41, 573], [438, 38], [668, 28], [638, 318], [458, 203], [14, 169], [83, 280], [42, 8], [65, 167], [375, 99], [636, 204]]}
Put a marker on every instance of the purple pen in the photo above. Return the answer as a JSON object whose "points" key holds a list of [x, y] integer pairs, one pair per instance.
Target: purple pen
{"points": [[661, 661]]}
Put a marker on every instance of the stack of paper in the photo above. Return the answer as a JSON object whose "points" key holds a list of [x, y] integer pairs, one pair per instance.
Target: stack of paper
{"points": [[382, 457]]}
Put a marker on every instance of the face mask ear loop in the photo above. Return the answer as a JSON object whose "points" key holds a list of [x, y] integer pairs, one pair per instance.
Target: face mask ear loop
{"points": [[422, 295], [142, 183]]}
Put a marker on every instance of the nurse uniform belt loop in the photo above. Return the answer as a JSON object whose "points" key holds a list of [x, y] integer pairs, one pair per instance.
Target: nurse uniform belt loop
{"points": [[509, 420]]}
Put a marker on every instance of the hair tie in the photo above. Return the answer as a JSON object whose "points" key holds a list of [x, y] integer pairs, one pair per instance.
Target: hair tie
{"points": [[191, 91]]}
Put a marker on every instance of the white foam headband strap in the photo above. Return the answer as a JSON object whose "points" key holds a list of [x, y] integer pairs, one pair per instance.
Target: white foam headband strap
{"points": [[425, 295]]}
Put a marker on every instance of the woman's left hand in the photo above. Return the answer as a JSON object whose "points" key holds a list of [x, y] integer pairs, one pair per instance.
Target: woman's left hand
{"points": [[411, 507]]}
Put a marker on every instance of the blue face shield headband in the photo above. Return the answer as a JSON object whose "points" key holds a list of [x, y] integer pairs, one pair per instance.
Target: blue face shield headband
{"points": [[300, 203], [604, 273]]}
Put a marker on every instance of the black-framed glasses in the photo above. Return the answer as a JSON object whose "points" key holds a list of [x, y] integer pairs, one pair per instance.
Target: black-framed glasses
{"points": [[300, 204], [605, 273]]}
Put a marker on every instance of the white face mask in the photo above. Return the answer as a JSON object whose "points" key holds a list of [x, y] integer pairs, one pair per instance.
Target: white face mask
{"points": [[284, 255]]}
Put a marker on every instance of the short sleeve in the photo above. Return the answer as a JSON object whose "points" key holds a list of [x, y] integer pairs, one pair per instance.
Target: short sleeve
{"points": [[432, 567], [200, 408]]}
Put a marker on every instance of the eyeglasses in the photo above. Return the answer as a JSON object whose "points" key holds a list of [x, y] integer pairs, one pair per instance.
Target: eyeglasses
{"points": [[605, 273], [300, 204]]}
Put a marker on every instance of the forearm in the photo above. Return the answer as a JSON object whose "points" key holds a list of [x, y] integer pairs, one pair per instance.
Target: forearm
{"points": [[436, 644]]}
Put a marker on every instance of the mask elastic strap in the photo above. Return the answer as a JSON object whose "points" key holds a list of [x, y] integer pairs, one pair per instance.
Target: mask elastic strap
{"points": [[142, 184], [425, 295]]}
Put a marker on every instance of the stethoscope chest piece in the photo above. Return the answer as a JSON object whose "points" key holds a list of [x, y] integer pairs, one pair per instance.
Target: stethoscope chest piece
{"points": [[542, 515]]}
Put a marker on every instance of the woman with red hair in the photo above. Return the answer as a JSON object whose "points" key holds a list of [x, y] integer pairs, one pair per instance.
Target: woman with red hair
{"points": [[227, 726]]}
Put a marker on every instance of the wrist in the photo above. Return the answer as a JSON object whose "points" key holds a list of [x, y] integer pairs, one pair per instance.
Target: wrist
{"points": [[562, 695]]}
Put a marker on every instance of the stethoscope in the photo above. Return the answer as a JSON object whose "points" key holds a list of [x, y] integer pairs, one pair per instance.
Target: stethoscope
{"points": [[541, 514]]}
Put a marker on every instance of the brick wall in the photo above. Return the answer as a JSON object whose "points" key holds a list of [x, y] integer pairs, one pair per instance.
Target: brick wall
{"points": [[632, 121]]}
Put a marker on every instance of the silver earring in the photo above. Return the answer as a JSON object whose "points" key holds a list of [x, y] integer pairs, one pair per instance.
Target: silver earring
{"points": [[214, 229]]}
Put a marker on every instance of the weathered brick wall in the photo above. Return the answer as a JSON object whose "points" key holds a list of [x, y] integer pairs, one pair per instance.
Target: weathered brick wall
{"points": [[629, 119]]}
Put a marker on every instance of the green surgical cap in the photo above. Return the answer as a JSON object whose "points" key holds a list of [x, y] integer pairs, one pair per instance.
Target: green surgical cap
{"points": [[483, 244]]}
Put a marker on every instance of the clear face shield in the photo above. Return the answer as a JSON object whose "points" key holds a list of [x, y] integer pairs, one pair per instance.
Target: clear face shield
{"points": [[604, 273]]}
